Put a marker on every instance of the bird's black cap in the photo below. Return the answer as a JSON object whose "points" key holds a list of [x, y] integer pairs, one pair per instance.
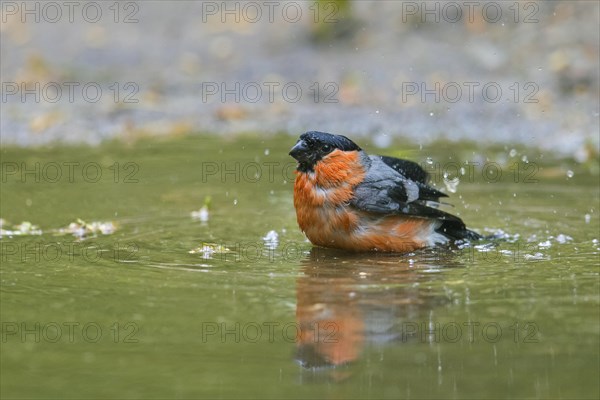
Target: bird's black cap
{"points": [[316, 138], [313, 146]]}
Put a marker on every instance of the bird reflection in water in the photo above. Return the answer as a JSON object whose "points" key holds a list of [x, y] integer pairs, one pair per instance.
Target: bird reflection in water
{"points": [[347, 301]]}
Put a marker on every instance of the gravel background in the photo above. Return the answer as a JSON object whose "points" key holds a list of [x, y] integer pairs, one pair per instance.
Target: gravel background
{"points": [[171, 57]]}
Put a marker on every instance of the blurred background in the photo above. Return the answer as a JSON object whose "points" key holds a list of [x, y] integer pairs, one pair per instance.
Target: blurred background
{"points": [[507, 72]]}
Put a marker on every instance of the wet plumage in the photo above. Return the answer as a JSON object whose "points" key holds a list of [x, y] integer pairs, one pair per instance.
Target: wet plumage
{"points": [[347, 199]]}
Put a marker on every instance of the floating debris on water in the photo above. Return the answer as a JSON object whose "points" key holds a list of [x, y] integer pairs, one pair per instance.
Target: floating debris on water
{"points": [[536, 256], [25, 228], [208, 250], [485, 247], [80, 229], [83, 230], [545, 245]]}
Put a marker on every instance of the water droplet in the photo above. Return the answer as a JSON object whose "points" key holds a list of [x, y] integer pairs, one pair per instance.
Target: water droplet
{"points": [[431, 114], [202, 215], [429, 160], [570, 174], [587, 218], [524, 159], [451, 183], [376, 111], [539, 68], [266, 152], [271, 240], [235, 202], [512, 153]]}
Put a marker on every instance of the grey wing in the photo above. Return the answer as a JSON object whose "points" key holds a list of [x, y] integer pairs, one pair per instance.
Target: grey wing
{"points": [[386, 189]]}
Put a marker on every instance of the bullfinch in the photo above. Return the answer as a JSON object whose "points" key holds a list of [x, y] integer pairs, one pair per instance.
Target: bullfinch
{"points": [[347, 199]]}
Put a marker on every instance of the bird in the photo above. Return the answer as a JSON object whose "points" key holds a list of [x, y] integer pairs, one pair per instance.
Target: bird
{"points": [[350, 200]]}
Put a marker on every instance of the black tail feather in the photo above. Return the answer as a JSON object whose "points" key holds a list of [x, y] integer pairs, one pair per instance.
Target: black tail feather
{"points": [[456, 230]]}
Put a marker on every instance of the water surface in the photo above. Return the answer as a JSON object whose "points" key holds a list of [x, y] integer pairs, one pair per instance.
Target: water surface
{"points": [[145, 312]]}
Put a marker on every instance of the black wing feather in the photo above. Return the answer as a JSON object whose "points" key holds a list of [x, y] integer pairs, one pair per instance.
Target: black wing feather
{"points": [[409, 169], [414, 172], [388, 192], [452, 226]]}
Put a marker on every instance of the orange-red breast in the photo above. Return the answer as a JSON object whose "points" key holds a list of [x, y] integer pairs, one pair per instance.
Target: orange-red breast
{"points": [[347, 199]]}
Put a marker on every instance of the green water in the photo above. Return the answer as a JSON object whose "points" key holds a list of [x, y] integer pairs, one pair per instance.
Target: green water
{"points": [[134, 314]]}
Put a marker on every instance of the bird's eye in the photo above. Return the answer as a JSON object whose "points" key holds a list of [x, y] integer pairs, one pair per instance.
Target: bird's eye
{"points": [[326, 148]]}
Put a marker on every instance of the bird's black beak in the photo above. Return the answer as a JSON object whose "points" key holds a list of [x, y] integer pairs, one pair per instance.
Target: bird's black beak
{"points": [[300, 151]]}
